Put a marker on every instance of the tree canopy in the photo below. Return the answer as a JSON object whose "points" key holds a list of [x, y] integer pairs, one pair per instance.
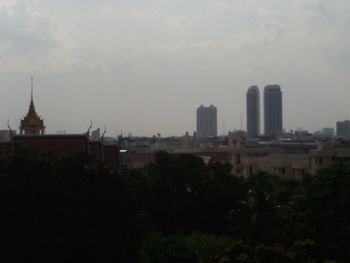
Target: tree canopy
{"points": [[178, 209]]}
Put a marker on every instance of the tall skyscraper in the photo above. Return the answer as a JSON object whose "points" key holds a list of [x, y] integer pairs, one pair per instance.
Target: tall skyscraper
{"points": [[207, 122], [343, 129], [253, 112], [273, 116]]}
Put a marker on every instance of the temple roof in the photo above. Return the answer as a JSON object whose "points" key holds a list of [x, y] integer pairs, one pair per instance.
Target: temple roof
{"points": [[31, 111], [32, 123]]}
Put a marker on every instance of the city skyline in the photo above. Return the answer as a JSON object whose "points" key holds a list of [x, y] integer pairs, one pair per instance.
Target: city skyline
{"points": [[259, 127], [143, 67]]}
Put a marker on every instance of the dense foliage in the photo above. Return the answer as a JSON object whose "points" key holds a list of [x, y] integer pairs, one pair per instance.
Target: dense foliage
{"points": [[176, 210]]}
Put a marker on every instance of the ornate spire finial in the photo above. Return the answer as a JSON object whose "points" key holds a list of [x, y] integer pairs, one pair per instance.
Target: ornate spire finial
{"points": [[8, 125], [31, 88], [104, 133], [88, 131]]}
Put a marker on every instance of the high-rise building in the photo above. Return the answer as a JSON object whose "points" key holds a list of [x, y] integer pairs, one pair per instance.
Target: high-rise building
{"points": [[328, 132], [273, 116], [253, 112], [343, 129], [207, 122]]}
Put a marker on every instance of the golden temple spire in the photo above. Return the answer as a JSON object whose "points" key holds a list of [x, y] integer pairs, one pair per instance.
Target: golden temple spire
{"points": [[31, 110], [32, 123]]}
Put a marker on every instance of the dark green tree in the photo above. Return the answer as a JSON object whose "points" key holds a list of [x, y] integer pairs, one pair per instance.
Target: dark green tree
{"points": [[65, 210], [191, 196], [323, 213]]}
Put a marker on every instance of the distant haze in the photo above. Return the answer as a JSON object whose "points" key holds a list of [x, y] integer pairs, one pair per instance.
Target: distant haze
{"points": [[145, 66]]}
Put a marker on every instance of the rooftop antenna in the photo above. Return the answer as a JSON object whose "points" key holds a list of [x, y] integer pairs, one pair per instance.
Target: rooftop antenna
{"points": [[224, 128], [241, 122]]}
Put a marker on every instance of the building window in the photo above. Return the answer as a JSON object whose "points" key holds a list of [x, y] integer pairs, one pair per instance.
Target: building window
{"points": [[238, 159], [298, 172], [318, 160]]}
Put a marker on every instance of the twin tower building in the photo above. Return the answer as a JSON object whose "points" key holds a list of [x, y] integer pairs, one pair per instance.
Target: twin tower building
{"points": [[207, 116], [273, 117]]}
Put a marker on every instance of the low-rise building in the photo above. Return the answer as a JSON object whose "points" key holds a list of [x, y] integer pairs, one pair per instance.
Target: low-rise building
{"points": [[285, 159], [343, 129], [59, 145], [326, 154]]}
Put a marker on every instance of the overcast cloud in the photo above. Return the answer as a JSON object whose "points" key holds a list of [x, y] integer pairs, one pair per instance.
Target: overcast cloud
{"points": [[144, 66]]}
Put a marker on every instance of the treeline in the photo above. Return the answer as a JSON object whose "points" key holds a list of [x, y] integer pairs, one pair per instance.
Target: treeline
{"points": [[177, 210]]}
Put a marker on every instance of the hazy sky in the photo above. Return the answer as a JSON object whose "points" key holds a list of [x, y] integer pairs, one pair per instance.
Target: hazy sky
{"points": [[144, 66]]}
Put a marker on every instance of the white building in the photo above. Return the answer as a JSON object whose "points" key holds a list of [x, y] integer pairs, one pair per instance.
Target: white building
{"points": [[5, 135]]}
